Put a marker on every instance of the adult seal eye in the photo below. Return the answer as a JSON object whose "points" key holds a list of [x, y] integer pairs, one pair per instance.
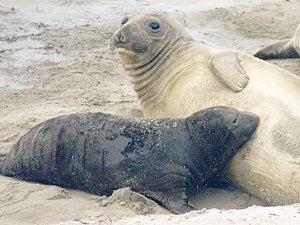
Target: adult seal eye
{"points": [[154, 28], [154, 25], [124, 20]]}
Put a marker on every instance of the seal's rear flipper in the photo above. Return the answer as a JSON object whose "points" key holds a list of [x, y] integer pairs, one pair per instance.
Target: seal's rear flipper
{"points": [[278, 50], [2, 160], [226, 66]]}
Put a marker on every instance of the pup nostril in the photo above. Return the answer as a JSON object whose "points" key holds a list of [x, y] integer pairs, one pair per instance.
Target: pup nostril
{"points": [[122, 37]]}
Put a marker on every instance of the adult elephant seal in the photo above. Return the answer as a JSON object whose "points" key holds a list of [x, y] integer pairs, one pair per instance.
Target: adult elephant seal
{"points": [[283, 49], [174, 75], [160, 158]]}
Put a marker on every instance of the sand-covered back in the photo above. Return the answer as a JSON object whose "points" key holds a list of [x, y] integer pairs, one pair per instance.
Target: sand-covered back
{"points": [[55, 59]]}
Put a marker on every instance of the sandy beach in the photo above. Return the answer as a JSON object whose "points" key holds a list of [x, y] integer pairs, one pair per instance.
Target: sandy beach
{"points": [[55, 59]]}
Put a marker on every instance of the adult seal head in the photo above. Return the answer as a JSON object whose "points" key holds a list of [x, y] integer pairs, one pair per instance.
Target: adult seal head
{"points": [[283, 49], [143, 42], [160, 158], [174, 76]]}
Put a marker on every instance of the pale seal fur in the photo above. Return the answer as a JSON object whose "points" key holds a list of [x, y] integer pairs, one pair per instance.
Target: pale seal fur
{"points": [[283, 49], [174, 75]]}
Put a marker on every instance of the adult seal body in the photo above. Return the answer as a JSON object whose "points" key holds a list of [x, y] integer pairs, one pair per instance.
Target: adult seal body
{"points": [[283, 49], [160, 158], [174, 75]]}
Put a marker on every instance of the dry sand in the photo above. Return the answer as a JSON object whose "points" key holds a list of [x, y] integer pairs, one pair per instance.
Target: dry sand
{"points": [[55, 59]]}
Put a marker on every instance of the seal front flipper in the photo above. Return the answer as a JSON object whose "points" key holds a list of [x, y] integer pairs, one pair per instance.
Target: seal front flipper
{"points": [[226, 66], [283, 49], [278, 50], [176, 200]]}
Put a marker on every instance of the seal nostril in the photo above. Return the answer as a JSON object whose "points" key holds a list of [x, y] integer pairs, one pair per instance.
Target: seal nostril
{"points": [[122, 37]]}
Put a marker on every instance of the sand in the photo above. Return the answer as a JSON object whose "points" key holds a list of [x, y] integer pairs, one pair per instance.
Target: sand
{"points": [[55, 59]]}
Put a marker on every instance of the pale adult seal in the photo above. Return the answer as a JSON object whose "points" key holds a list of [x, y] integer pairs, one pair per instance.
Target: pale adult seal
{"points": [[283, 49], [174, 75], [160, 158]]}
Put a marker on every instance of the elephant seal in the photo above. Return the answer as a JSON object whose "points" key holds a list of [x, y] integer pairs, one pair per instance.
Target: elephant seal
{"points": [[160, 158], [283, 49], [174, 75]]}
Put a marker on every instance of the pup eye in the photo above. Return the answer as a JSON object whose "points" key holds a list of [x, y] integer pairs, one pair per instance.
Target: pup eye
{"points": [[154, 25], [124, 20], [234, 121]]}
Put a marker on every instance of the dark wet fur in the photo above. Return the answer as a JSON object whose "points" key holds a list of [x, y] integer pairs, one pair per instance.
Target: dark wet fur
{"points": [[160, 158]]}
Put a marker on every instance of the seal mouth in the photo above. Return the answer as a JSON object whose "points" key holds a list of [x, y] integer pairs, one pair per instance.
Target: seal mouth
{"points": [[127, 56], [124, 51], [115, 43]]}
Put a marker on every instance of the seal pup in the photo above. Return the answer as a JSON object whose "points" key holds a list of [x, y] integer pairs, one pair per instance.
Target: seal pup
{"points": [[283, 49], [160, 158], [174, 75]]}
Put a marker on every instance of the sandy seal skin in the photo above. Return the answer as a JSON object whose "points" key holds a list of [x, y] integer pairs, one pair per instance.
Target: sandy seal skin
{"points": [[174, 75], [160, 158], [283, 49]]}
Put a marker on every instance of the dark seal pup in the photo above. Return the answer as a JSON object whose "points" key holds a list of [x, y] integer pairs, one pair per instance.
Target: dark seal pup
{"points": [[160, 158]]}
